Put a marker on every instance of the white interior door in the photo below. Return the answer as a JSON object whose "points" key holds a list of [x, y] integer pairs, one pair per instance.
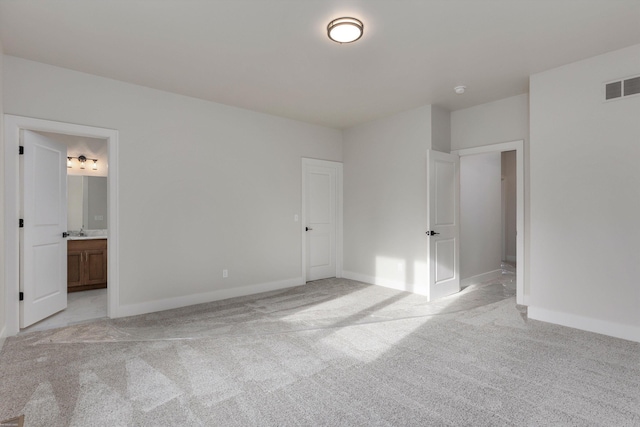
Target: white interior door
{"points": [[444, 225], [43, 249], [320, 218]]}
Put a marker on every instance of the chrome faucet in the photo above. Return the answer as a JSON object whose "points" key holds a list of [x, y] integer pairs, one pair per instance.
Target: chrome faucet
{"points": [[81, 233]]}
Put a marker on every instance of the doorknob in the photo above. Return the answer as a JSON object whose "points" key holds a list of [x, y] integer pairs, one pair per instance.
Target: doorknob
{"points": [[65, 234], [308, 229], [431, 233]]}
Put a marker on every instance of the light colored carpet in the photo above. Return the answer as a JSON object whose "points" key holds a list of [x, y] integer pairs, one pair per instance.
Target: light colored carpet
{"points": [[333, 352]]}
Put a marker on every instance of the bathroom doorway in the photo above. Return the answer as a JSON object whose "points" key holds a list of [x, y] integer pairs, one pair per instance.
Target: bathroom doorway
{"points": [[87, 228], [15, 128]]}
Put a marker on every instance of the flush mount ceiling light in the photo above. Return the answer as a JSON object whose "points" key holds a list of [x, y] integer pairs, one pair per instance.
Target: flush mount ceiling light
{"points": [[345, 30]]}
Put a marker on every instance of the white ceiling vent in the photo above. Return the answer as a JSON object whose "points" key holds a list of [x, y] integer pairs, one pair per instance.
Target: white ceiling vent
{"points": [[622, 88]]}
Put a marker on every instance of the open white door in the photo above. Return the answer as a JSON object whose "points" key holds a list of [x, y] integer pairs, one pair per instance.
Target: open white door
{"points": [[43, 249], [443, 195]]}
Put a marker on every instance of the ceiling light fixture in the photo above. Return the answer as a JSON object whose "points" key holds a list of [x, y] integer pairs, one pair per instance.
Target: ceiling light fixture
{"points": [[345, 30], [460, 89]]}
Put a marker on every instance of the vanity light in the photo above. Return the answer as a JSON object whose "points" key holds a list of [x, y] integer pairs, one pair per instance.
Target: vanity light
{"points": [[82, 159], [345, 30]]}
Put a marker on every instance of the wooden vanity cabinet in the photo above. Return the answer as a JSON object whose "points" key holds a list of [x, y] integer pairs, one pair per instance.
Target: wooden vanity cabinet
{"points": [[86, 264]]}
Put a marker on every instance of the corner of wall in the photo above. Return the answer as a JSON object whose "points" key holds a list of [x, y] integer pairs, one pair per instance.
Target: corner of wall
{"points": [[2, 279]]}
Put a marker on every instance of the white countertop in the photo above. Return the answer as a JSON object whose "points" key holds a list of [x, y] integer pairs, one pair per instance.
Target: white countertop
{"points": [[86, 237]]}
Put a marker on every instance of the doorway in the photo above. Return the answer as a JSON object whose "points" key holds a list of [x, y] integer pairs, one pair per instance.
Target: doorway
{"points": [[14, 127], [87, 167], [506, 246]]}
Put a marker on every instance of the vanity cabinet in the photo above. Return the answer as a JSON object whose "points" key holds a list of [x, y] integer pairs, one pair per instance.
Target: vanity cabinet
{"points": [[86, 264]]}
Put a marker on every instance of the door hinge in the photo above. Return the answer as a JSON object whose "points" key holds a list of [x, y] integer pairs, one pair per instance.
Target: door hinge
{"points": [[21, 223], [21, 296], [21, 149]]}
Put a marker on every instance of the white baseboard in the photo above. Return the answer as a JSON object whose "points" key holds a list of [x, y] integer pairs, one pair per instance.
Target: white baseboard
{"points": [[186, 300], [387, 283], [479, 278], [617, 330]]}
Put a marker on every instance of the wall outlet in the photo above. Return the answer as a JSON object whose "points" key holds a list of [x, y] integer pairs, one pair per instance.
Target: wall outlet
{"points": [[98, 218], [225, 273]]}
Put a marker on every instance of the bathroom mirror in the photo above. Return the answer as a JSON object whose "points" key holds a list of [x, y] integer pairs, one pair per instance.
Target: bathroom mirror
{"points": [[86, 202]]}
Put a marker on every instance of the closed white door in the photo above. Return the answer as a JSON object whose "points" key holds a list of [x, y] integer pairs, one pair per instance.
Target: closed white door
{"points": [[43, 249], [444, 226], [320, 216]]}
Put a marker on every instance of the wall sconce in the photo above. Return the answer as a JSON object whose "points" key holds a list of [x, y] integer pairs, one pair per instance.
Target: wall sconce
{"points": [[82, 159]]}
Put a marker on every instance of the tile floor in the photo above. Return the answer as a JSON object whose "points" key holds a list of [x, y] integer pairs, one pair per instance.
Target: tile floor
{"points": [[81, 307]]}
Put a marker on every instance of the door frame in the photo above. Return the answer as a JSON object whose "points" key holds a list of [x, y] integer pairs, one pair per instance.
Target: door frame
{"points": [[12, 126], [307, 162], [518, 147]]}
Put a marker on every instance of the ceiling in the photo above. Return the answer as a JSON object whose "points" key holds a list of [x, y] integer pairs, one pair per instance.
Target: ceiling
{"points": [[274, 56]]}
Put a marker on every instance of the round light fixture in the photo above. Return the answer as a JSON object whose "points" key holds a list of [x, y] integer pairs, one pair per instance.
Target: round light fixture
{"points": [[345, 30]]}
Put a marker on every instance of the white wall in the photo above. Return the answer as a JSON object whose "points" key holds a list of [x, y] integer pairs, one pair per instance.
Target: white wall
{"points": [[491, 123], [585, 197], [2, 270], [385, 200], [440, 129], [504, 120], [480, 214], [203, 186]]}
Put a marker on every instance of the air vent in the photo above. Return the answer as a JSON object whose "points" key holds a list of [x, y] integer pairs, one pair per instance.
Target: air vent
{"points": [[613, 90], [622, 88], [632, 86]]}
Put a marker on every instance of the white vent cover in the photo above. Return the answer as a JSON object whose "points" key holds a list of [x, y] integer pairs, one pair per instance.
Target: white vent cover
{"points": [[622, 88]]}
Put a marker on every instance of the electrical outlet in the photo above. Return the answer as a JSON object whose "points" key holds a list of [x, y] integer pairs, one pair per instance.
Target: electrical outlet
{"points": [[225, 273]]}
